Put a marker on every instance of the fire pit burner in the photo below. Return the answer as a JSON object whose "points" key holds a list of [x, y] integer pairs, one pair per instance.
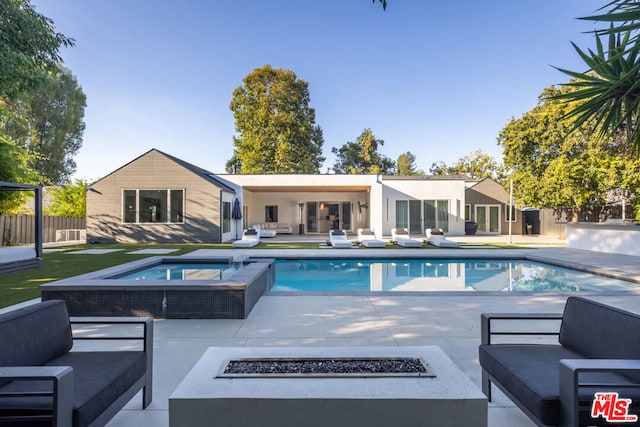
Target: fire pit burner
{"points": [[326, 367]]}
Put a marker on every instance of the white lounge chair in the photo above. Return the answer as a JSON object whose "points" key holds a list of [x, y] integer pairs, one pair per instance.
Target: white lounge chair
{"points": [[435, 237], [368, 238], [400, 236], [250, 238], [338, 239], [265, 232]]}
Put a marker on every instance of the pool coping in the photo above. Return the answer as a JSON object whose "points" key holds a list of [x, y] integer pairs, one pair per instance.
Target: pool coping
{"points": [[104, 278]]}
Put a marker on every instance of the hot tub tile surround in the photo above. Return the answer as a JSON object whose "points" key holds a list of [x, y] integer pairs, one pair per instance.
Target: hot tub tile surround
{"points": [[100, 293]]}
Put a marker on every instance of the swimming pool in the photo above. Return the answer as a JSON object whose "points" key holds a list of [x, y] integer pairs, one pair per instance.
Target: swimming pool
{"points": [[429, 275]]}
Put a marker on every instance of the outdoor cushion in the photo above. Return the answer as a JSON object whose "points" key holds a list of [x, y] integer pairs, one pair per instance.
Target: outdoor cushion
{"points": [[99, 379], [35, 334], [587, 329], [531, 373]]}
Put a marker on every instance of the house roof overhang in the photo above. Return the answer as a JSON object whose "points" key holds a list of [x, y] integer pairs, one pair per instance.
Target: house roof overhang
{"points": [[307, 188]]}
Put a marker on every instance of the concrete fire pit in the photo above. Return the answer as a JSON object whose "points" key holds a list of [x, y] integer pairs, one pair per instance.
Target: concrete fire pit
{"points": [[440, 395]]}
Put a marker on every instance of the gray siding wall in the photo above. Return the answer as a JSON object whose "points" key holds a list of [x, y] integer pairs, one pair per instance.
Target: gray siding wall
{"points": [[489, 192], [149, 172]]}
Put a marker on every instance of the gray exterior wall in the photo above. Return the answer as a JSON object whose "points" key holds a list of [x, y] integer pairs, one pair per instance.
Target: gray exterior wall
{"points": [[154, 171], [489, 192]]}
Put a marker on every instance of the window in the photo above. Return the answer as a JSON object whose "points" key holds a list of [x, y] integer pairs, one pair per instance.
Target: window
{"points": [[226, 217], [513, 217], [176, 205], [467, 212], [430, 214], [443, 214], [129, 206], [402, 213], [436, 214], [152, 206], [270, 214]]}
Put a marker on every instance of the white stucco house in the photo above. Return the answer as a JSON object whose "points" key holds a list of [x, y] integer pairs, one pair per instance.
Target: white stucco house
{"points": [[160, 198], [314, 204]]}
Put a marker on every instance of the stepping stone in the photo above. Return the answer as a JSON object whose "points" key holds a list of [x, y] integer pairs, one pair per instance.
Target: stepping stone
{"points": [[152, 251], [93, 251]]}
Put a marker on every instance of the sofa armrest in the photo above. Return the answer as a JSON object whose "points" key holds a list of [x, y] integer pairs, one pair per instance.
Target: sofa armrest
{"points": [[146, 338], [570, 384], [61, 391], [487, 319], [146, 322]]}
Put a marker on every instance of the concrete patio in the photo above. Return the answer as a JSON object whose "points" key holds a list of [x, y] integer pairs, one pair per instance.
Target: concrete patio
{"points": [[450, 321]]}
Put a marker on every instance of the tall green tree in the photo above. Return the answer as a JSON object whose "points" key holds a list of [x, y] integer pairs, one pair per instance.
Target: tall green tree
{"points": [[406, 165], [15, 166], [555, 164], [69, 200], [54, 125], [29, 49], [29, 45], [362, 156], [477, 165], [276, 129]]}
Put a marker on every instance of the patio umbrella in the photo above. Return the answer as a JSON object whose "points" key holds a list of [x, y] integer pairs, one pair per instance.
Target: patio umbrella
{"points": [[236, 213]]}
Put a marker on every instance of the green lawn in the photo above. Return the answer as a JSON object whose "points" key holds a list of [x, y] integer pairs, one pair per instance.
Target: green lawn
{"points": [[23, 286]]}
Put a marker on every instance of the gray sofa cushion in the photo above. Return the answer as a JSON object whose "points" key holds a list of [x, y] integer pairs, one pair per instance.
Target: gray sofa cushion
{"points": [[35, 334], [99, 379], [531, 373], [598, 331]]}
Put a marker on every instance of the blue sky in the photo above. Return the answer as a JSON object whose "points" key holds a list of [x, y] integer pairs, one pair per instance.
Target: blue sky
{"points": [[437, 78]]}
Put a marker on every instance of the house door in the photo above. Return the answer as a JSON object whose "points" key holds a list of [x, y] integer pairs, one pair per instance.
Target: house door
{"points": [[415, 217], [488, 219], [312, 217]]}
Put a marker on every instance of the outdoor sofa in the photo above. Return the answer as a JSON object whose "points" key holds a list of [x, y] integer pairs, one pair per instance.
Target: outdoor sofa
{"points": [[43, 381], [275, 227], [598, 351]]}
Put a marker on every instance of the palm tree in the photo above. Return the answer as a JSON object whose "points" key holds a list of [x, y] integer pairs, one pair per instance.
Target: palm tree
{"points": [[610, 88]]}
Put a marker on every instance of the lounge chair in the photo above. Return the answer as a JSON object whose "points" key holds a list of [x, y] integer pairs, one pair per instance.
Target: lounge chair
{"points": [[435, 237], [400, 236], [368, 238], [338, 239], [250, 238], [265, 232]]}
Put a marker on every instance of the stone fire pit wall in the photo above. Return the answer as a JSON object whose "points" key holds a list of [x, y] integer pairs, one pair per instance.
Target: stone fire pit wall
{"points": [[444, 398]]}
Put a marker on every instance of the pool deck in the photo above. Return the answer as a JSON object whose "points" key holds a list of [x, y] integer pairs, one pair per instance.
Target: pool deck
{"points": [[451, 321]]}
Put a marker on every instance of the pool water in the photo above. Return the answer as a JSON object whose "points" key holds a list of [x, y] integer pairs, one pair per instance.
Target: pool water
{"points": [[187, 271], [342, 275]]}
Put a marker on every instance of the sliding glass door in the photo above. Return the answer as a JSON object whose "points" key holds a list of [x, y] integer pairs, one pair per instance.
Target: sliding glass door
{"points": [[417, 215]]}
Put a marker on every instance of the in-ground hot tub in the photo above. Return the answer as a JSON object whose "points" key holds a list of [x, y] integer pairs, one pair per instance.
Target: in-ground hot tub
{"points": [[226, 293]]}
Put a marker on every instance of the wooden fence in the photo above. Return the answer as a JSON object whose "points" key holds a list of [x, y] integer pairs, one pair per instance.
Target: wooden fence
{"points": [[16, 230]]}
